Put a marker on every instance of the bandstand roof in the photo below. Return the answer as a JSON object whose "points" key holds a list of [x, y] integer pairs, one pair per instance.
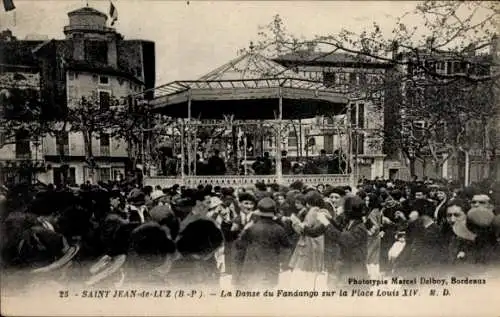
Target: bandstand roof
{"points": [[248, 87]]}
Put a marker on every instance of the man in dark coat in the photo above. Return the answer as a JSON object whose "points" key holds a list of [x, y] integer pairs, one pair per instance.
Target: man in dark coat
{"points": [[352, 239], [216, 165], [262, 242]]}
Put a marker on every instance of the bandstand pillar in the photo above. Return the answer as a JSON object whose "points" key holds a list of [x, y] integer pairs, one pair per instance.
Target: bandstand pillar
{"points": [[351, 163], [279, 172], [189, 139], [183, 159]]}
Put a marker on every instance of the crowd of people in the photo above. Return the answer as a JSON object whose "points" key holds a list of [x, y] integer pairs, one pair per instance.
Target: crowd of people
{"points": [[110, 234], [216, 164]]}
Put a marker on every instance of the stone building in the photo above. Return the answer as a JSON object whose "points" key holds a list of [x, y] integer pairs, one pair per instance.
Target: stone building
{"points": [[93, 60]]}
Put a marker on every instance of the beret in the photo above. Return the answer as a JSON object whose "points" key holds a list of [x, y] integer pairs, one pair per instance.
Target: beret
{"points": [[266, 205]]}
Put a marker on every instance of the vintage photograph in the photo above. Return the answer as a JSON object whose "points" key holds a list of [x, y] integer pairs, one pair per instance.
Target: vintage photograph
{"points": [[249, 158]]}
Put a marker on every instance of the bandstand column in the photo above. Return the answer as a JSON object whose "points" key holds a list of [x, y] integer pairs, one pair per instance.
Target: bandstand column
{"points": [[351, 163], [182, 151], [189, 139], [279, 172]]}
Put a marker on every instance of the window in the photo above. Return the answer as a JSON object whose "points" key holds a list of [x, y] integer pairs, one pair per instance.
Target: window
{"points": [[328, 144], [361, 116], [358, 142], [71, 75], [104, 99], [72, 92], [358, 115], [440, 67], [96, 51], [292, 139], [62, 143], [420, 124], [116, 173], [419, 129], [2, 138], [362, 78], [329, 79], [353, 115], [23, 148], [104, 174], [103, 80], [105, 142], [449, 67], [352, 78]]}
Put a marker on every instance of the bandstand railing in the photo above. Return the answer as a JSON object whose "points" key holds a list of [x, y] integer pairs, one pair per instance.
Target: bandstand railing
{"points": [[246, 180]]}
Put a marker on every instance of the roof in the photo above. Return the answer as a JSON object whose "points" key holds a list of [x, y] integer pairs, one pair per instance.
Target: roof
{"points": [[247, 98], [322, 58], [248, 87], [251, 65], [86, 10]]}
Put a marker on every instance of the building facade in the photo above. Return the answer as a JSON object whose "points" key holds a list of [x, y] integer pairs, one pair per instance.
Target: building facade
{"points": [[93, 61], [478, 134], [362, 81]]}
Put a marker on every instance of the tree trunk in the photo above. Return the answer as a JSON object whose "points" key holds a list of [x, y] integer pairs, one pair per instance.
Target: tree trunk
{"points": [[424, 168], [87, 140], [437, 168], [412, 161], [467, 169], [461, 167], [235, 140]]}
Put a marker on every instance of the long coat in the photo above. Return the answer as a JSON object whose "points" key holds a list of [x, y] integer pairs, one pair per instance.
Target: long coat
{"points": [[353, 243], [309, 253], [374, 240], [262, 245]]}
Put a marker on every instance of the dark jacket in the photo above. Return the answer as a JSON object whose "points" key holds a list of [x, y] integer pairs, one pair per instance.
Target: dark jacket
{"points": [[353, 243], [216, 166], [262, 243], [424, 249]]}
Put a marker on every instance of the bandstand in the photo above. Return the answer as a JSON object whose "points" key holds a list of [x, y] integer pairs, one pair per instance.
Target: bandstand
{"points": [[248, 103]]}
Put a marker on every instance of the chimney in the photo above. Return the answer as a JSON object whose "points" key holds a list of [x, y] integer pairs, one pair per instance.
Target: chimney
{"points": [[495, 45], [394, 49], [429, 42]]}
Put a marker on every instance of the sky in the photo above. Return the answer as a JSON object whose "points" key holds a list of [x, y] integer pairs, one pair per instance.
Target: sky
{"points": [[193, 39]]}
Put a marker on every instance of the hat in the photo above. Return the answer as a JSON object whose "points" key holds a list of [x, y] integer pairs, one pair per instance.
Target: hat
{"points": [[478, 219], [247, 196], [137, 197], [159, 213], [183, 202], [199, 235], [151, 239], [214, 202], [69, 254], [266, 208], [105, 267], [157, 194]]}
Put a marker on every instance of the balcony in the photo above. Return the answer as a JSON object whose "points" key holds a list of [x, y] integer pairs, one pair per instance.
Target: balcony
{"points": [[23, 155], [87, 27]]}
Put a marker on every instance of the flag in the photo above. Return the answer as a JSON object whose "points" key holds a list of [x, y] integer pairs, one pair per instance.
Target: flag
{"points": [[112, 13], [8, 5]]}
